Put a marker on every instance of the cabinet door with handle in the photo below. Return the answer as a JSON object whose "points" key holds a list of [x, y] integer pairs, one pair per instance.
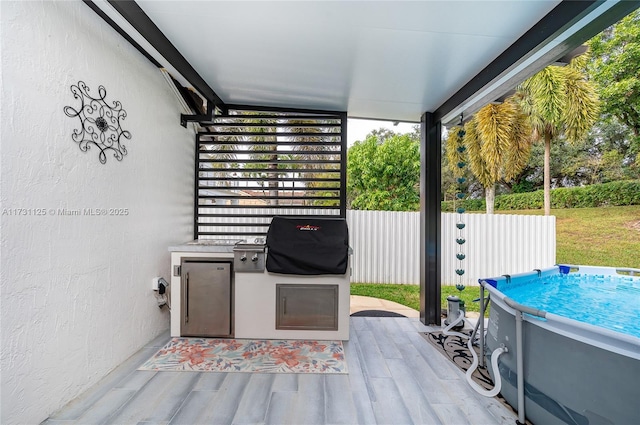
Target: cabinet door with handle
{"points": [[307, 306], [206, 298]]}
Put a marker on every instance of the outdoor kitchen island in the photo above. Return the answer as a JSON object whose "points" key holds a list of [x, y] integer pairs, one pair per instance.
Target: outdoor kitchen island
{"points": [[294, 286]]}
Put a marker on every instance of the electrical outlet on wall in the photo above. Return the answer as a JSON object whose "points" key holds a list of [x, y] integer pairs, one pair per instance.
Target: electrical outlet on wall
{"points": [[155, 283]]}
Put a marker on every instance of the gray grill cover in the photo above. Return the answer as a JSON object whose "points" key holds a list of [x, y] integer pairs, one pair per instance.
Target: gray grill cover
{"points": [[307, 246]]}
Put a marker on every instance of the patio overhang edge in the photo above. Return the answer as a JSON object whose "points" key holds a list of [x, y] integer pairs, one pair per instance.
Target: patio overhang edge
{"points": [[129, 20], [560, 31], [563, 29]]}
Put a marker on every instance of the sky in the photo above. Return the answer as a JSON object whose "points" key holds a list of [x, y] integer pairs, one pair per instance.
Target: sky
{"points": [[358, 129]]}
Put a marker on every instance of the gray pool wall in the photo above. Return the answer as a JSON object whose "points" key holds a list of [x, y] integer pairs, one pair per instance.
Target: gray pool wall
{"points": [[574, 373]]}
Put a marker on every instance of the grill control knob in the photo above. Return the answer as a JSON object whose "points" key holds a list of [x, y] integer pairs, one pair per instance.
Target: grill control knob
{"points": [[243, 258], [254, 258]]}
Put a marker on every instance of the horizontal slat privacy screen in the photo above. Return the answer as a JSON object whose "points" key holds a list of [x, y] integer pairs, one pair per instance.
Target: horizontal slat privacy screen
{"points": [[252, 165]]}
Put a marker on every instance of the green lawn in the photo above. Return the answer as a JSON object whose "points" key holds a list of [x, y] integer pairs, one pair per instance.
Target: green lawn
{"points": [[595, 236], [608, 236], [409, 295]]}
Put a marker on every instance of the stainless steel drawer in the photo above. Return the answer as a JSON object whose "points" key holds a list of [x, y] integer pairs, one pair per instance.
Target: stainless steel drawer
{"points": [[307, 306]]}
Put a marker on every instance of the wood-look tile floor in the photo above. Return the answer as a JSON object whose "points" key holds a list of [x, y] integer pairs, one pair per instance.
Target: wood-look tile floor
{"points": [[395, 377]]}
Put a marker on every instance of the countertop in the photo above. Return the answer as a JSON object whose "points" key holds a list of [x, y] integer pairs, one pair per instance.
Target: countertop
{"points": [[205, 246]]}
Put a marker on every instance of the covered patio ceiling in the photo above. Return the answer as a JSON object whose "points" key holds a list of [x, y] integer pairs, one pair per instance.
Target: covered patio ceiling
{"points": [[389, 60], [417, 61]]}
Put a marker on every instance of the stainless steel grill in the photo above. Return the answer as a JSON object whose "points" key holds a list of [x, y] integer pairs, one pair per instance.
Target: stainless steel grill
{"points": [[296, 285], [249, 257]]}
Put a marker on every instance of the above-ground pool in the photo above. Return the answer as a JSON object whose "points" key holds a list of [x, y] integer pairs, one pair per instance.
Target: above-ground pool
{"points": [[580, 336]]}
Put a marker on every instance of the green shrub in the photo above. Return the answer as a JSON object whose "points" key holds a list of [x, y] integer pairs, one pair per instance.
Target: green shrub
{"points": [[618, 193], [520, 201], [467, 204]]}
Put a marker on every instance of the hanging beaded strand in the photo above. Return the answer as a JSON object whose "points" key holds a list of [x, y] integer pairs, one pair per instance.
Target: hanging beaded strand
{"points": [[460, 196]]}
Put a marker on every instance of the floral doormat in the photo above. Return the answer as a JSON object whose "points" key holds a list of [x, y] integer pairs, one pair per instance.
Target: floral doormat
{"points": [[258, 356], [456, 350]]}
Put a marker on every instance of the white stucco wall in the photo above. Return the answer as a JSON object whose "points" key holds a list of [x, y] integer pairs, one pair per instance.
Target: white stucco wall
{"points": [[76, 295]]}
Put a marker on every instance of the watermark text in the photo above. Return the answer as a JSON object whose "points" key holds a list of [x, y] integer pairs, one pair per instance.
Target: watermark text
{"points": [[64, 212]]}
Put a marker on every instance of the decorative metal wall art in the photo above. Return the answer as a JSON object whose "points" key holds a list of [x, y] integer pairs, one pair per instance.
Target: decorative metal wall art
{"points": [[100, 123]]}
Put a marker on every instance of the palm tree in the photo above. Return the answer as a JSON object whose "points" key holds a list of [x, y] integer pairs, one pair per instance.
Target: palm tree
{"points": [[495, 143], [558, 100], [258, 151], [317, 144], [272, 156], [291, 166], [210, 172]]}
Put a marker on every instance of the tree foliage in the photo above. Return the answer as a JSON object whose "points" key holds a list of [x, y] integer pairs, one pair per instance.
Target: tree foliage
{"points": [[449, 175], [615, 67], [605, 155], [610, 151], [585, 120], [384, 175], [496, 141], [617, 193], [560, 101]]}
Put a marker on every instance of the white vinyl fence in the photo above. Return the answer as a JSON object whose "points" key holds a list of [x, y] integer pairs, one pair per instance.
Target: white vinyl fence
{"points": [[386, 246]]}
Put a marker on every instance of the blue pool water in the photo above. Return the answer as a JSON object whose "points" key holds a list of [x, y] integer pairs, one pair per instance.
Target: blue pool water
{"points": [[611, 302]]}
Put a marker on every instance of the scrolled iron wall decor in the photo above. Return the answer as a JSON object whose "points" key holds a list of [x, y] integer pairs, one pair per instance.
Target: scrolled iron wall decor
{"points": [[100, 123]]}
